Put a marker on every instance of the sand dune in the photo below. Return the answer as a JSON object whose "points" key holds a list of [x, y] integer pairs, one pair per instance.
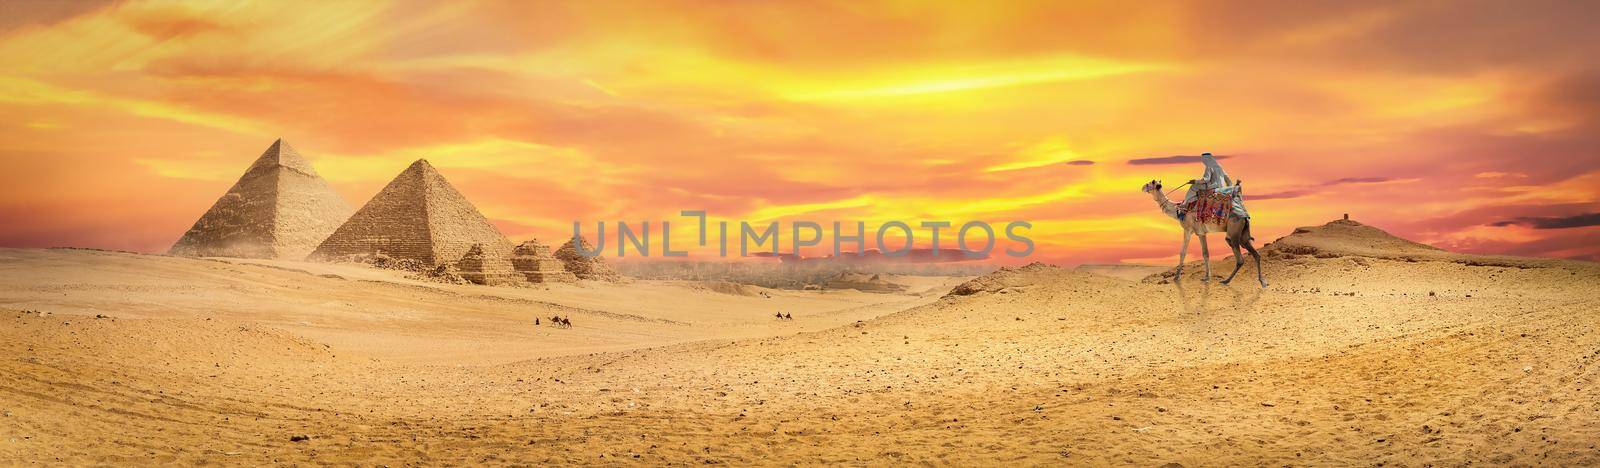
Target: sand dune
{"points": [[1130, 271], [390, 315], [1360, 353]]}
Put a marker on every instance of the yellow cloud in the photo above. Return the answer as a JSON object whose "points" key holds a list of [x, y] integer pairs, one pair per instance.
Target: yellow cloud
{"points": [[1052, 151], [784, 211], [206, 170], [132, 36], [512, 156], [921, 79], [25, 91]]}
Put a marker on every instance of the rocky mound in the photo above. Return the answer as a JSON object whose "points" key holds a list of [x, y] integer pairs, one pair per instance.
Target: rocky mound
{"points": [[1355, 244], [1342, 238], [1004, 279], [1347, 238], [1038, 283], [1128, 271]]}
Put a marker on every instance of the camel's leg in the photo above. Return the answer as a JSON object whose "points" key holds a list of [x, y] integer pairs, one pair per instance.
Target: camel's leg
{"points": [[1182, 254], [1205, 257], [1262, 277], [1238, 261]]}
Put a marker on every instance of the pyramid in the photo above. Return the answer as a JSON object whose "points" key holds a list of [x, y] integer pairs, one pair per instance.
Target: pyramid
{"points": [[419, 216], [279, 208], [594, 268], [533, 260], [481, 268]]}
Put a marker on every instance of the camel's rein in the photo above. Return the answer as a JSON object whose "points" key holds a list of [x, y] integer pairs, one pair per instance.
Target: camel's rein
{"points": [[1174, 189]]}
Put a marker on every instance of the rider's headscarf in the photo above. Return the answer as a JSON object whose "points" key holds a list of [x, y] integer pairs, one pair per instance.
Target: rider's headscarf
{"points": [[1214, 178]]}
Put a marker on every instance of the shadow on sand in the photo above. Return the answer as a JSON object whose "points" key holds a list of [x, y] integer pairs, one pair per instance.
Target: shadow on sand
{"points": [[1239, 301]]}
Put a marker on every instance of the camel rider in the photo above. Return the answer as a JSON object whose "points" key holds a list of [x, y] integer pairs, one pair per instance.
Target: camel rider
{"points": [[1215, 180]]}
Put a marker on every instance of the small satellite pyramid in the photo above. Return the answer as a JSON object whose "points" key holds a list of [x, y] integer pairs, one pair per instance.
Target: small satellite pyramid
{"points": [[419, 216], [589, 268], [532, 259], [279, 208], [479, 267]]}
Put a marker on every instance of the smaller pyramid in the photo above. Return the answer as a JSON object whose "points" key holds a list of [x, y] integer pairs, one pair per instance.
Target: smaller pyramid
{"points": [[279, 208], [589, 268], [478, 267], [420, 216], [534, 261]]}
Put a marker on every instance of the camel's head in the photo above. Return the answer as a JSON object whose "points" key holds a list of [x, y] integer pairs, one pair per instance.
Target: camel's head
{"points": [[1152, 186]]}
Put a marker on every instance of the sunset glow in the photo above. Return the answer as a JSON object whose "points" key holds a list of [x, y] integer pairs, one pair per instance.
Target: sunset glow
{"points": [[1470, 126]]}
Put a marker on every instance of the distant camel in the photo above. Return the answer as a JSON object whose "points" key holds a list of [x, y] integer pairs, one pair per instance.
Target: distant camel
{"points": [[566, 323], [788, 316], [1238, 230]]}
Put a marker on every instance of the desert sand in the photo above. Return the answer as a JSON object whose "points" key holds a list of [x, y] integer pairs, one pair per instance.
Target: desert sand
{"points": [[1365, 350], [1127, 271]]}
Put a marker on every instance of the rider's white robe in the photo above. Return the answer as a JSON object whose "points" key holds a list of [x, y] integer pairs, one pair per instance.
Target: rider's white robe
{"points": [[1215, 179]]}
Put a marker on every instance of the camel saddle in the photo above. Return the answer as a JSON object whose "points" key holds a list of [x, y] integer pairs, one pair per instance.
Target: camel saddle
{"points": [[1214, 206]]}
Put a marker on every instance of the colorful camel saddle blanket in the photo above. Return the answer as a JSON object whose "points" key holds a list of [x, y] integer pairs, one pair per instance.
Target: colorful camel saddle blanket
{"points": [[1214, 206]]}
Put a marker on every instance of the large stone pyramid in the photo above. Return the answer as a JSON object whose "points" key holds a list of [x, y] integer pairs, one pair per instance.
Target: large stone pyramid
{"points": [[279, 208], [419, 216]]}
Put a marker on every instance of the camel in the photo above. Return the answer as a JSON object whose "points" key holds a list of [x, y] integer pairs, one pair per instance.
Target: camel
{"points": [[1237, 229]]}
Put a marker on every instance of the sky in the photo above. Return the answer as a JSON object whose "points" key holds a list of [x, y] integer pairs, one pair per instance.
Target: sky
{"points": [[1469, 125]]}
